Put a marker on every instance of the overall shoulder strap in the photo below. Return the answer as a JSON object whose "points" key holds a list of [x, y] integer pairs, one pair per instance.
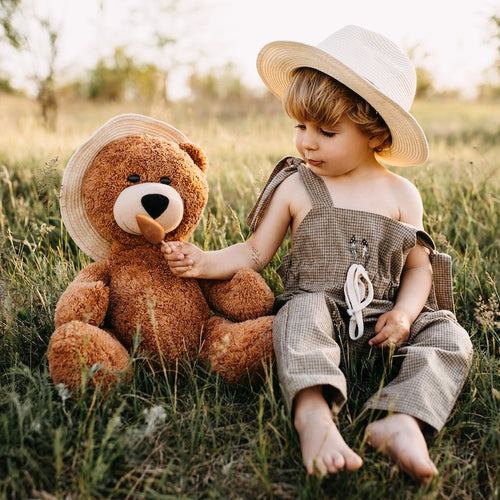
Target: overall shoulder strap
{"points": [[424, 239], [316, 188], [285, 167], [441, 295]]}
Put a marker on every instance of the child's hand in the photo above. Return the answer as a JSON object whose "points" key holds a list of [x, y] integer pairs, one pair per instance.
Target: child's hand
{"points": [[392, 328], [184, 259]]}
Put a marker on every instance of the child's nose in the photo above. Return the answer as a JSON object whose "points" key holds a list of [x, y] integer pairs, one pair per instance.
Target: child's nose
{"points": [[309, 140]]}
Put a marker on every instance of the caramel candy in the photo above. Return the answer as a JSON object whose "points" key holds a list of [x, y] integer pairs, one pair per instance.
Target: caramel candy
{"points": [[150, 229]]}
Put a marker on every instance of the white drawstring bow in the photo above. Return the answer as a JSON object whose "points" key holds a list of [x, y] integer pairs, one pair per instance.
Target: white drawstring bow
{"points": [[358, 291]]}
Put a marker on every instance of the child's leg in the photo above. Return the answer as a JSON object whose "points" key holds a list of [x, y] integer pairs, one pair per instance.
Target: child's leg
{"points": [[308, 357], [433, 370], [307, 353], [434, 367], [400, 437], [323, 448]]}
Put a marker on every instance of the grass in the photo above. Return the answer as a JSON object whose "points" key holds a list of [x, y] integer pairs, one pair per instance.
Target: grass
{"points": [[186, 433]]}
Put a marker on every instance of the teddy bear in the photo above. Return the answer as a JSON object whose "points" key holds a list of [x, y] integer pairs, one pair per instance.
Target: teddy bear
{"points": [[138, 181]]}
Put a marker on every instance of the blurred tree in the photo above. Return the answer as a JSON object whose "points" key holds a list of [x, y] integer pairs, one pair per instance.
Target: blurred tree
{"points": [[157, 37], [491, 90], [7, 10], [153, 33], [217, 83], [107, 80], [28, 33], [46, 95], [6, 86], [425, 85], [120, 77], [148, 82], [425, 79], [496, 21]]}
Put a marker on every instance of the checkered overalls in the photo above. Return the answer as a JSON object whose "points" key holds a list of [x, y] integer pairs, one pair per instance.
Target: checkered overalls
{"points": [[310, 328]]}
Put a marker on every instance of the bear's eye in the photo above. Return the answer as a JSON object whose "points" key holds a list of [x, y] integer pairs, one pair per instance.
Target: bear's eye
{"points": [[134, 178], [165, 180]]}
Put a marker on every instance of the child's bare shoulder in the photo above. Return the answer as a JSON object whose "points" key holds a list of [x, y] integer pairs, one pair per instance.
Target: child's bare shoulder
{"points": [[408, 199], [286, 192], [403, 185]]}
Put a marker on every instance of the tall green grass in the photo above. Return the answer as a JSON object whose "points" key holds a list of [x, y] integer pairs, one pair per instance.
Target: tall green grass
{"points": [[186, 433]]}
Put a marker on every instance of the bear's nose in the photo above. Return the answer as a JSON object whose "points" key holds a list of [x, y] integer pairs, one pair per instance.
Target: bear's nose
{"points": [[154, 204]]}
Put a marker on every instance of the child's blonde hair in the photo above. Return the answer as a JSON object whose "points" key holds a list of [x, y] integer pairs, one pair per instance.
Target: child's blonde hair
{"points": [[313, 96]]}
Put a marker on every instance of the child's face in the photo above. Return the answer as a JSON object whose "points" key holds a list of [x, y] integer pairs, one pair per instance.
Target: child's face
{"points": [[333, 151]]}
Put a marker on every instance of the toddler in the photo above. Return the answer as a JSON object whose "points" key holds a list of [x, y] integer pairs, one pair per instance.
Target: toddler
{"points": [[362, 273]]}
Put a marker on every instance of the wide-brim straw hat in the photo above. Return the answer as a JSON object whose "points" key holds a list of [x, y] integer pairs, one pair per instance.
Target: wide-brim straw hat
{"points": [[369, 64], [73, 213]]}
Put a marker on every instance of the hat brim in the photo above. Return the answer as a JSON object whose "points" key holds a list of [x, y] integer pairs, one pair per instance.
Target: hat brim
{"points": [[73, 213], [277, 61]]}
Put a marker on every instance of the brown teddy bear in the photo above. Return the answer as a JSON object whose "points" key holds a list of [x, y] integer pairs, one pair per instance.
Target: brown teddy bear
{"points": [[134, 183]]}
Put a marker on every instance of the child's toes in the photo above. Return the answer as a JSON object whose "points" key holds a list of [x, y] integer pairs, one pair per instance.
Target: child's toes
{"points": [[337, 461], [319, 466], [353, 461]]}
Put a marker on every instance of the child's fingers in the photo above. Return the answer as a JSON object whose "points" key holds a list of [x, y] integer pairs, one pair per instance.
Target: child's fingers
{"points": [[179, 263], [173, 257], [169, 247], [380, 330], [386, 343], [389, 331], [165, 248], [386, 338], [180, 258], [381, 322], [379, 339], [184, 271], [174, 252]]}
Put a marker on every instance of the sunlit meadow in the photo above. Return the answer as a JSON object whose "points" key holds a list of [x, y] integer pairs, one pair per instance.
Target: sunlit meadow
{"points": [[185, 433]]}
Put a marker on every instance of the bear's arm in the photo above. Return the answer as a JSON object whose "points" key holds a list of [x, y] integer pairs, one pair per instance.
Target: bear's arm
{"points": [[245, 296], [86, 298]]}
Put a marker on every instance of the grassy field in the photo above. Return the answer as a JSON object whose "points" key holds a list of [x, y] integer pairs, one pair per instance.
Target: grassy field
{"points": [[186, 433]]}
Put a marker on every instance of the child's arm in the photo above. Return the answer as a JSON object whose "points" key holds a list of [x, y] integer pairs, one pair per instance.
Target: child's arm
{"points": [[393, 327], [189, 261]]}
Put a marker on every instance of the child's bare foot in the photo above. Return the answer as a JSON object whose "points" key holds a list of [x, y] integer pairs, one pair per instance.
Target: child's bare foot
{"points": [[323, 448], [399, 437]]}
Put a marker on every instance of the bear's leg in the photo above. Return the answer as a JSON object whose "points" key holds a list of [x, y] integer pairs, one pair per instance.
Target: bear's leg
{"points": [[238, 350], [77, 347]]}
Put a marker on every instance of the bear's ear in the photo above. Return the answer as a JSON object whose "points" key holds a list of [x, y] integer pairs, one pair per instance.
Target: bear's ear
{"points": [[196, 154]]}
